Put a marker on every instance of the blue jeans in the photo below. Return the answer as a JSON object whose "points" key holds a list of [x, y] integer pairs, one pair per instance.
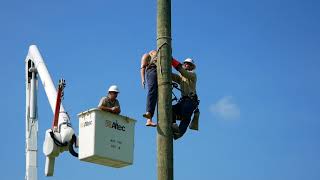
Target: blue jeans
{"points": [[152, 96], [183, 110]]}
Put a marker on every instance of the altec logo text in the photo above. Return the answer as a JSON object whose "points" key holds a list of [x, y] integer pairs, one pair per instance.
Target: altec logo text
{"points": [[115, 125], [85, 124]]}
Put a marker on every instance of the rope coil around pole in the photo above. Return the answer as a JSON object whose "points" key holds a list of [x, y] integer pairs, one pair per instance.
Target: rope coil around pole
{"points": [[164, 37]]}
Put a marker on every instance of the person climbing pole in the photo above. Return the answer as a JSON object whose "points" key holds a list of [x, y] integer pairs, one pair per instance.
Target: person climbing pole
{"points": [[149, 71], [188, 103]]}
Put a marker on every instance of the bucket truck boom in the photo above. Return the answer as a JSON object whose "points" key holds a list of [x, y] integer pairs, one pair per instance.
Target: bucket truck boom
{"points": [[58, 139]]}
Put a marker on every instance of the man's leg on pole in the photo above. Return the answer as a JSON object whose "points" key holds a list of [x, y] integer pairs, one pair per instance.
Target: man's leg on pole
{"points": [[152, 96], [187, 108]]}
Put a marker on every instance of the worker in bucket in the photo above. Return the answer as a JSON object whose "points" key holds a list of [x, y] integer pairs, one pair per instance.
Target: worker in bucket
{"points": [[110, 103], [188, 102], [149, 71]]}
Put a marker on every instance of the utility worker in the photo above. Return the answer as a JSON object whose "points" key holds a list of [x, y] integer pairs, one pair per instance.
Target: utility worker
{"points": [[110, 103], [188, 102], [149, 70]]}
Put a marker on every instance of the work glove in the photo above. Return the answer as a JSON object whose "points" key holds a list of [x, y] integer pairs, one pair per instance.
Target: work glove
{"points": [[176, 64]]}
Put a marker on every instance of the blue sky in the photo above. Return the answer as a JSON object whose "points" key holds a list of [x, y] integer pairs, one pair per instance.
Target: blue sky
{"points": [[258, 80]]}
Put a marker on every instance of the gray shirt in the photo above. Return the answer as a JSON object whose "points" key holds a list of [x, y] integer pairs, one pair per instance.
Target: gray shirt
{"points": [[106, 102]]}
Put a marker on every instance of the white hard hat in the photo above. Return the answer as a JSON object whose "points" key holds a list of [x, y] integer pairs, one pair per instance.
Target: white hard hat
{"points": [[114, 88], [189, 60]]}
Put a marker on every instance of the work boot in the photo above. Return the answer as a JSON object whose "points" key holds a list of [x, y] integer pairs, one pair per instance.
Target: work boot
{"points": [[176, 135], [176, 131], [175, 128]]}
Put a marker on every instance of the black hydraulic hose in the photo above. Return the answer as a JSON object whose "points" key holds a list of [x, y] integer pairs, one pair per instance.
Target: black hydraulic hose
{"points": [[56, 141], [71, 150]]}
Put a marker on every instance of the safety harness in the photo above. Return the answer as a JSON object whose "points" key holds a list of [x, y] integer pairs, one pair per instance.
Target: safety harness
{"points": [[194, 125]]}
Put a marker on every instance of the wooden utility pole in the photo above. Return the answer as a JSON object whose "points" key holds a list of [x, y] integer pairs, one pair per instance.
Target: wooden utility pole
{"points": [[164, 137]]}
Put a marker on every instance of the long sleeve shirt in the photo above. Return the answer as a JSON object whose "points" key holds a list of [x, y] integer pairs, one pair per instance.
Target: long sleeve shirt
{"points": [[187, 81]]}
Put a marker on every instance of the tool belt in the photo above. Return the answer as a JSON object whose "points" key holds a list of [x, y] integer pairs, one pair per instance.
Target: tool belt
{"points": [[194, 124], [193, 97]]}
